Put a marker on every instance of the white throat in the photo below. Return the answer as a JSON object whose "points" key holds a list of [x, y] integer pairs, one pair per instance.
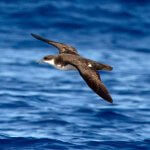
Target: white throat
{"points": [[51, 62]]}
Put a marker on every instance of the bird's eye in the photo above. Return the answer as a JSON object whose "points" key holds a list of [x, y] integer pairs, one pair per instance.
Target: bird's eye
{"points": [[46, 58]]}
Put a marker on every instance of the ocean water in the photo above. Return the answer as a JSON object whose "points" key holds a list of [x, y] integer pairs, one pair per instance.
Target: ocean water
{"points": [[42, 108]]}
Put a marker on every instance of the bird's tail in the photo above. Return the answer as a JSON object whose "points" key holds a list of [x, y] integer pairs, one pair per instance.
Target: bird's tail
{"points": [[106, 67]]}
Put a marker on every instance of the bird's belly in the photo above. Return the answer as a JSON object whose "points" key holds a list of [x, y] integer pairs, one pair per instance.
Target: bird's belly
{"points": [[65, 67]]}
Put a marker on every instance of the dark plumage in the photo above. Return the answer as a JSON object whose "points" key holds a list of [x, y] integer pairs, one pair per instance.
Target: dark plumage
{"points": [[69, 58]]}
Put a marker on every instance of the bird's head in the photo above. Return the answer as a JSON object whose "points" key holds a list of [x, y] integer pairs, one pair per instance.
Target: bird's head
{"points": [[48, 59]]}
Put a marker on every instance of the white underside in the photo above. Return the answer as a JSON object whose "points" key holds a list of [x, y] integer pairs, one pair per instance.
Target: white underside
{"points": [[59, 66], [67, 67]]}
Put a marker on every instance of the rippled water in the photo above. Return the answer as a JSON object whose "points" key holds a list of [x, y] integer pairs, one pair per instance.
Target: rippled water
{"points": [[44, 108]]}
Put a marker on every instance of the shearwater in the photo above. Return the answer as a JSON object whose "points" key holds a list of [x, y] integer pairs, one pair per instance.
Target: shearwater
{"points": [[68, 58]]}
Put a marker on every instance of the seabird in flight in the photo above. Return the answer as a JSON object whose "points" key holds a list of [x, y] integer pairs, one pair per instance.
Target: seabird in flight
{"points": [[68, 59]]}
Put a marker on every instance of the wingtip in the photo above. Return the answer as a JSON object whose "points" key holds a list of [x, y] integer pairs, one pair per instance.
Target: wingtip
{"points": [[111, 101], [38, 37], [111, 68], [108, 99], [34, 35]]}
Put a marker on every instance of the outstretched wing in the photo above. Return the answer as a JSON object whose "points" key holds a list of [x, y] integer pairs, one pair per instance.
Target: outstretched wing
{"points": [[93, 80], [90, 76], [63, 48]]}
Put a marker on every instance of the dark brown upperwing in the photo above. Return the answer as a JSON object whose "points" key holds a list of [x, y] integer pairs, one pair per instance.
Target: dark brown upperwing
{"points": [[63, 48], [90, 76], [92, 79]]}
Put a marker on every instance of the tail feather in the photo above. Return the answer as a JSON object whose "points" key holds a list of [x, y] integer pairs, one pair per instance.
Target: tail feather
{"points": [[100, 66]]}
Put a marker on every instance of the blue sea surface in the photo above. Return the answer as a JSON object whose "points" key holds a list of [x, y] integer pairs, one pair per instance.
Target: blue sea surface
{"points": [[42, 108]]}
